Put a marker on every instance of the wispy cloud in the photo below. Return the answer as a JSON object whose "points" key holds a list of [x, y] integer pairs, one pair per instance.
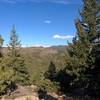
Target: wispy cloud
{"points": [[8, 1], [60, 1], [41, 1], [51, 1], [47, 21], [13, 1], [35, 1], [57, 36]]}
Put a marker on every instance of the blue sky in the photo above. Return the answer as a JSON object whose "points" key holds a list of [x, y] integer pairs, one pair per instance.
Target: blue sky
{"points": [[39, 22]]}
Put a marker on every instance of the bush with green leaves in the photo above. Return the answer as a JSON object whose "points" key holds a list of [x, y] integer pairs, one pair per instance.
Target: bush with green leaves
{"points": [[47, 85], [6, 76]]}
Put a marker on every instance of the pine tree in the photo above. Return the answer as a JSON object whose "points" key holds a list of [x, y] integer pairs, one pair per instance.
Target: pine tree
{"points": [[84, 53], [14, 45], [17, 60], [51, 72], [6, 73]]}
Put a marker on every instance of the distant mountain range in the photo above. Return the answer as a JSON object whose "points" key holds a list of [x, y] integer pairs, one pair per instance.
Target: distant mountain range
{"points": [[51, 50]]}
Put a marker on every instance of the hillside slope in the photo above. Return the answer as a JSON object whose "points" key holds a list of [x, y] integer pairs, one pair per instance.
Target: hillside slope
{"points": [[38, 59]]}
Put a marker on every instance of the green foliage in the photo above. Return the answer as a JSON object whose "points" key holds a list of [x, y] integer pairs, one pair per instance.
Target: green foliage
{"points": [[38, 60], [47, 82], [20, 70], [84, 52], [47, 85], [1, 43], [93, 72], [6, 75], [17, 62], [13, 69], [51, 72], [14, 44], [80, 71], [65, 80]]}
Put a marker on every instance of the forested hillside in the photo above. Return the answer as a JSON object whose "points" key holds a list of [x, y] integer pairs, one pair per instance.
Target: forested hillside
{"points": [[38, 59]]}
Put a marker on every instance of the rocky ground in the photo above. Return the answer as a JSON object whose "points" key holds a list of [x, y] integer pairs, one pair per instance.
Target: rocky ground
{"points": [[30, 93], [22, 93]]}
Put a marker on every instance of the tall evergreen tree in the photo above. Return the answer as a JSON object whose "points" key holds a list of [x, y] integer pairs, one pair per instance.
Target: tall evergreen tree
{"points": [[14, 44], [6, 73], [84, 53], [17, 60]]}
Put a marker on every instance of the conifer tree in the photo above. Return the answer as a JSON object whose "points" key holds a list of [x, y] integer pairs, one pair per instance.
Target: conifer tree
{"points": [[6, 73], [17, 60], [84, 53], [51, 72], [14, 44]]}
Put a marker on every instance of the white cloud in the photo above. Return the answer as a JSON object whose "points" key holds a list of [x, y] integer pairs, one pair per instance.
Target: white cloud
{"points": [[40, 1], [62, 36], [51, 1], [60, 1], [13, 1], [35, 1], [8, 1], [47, 21]]}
